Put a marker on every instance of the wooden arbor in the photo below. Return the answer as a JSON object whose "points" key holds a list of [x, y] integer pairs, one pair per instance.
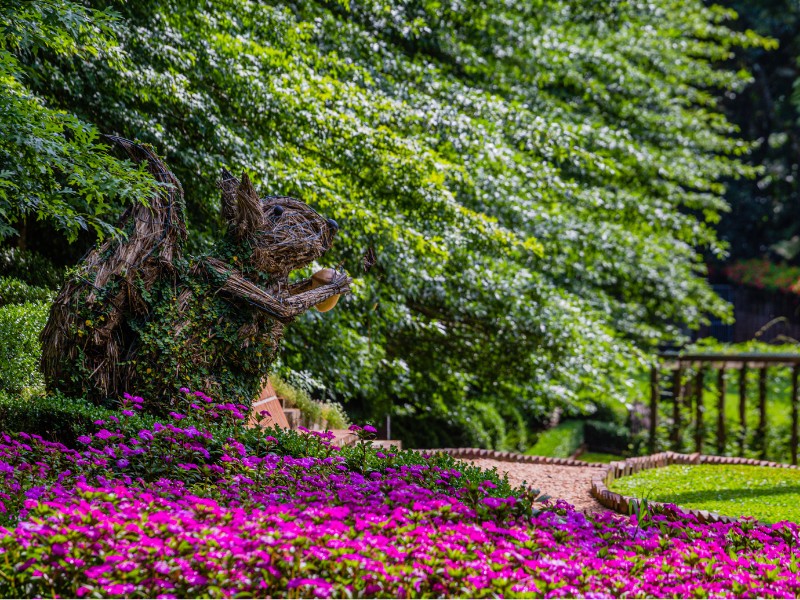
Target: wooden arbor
{"points": [[691, 395]]}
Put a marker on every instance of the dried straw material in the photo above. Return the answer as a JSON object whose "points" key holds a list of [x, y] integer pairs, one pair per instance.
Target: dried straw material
{"points": [[155, 235]]}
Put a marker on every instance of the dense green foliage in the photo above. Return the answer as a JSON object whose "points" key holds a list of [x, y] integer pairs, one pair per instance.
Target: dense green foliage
{"points": [[313, 411], [16, 291], [52, 165], [57, 417], [29, 268], [20, 325], [537, 179], [768, 494]]}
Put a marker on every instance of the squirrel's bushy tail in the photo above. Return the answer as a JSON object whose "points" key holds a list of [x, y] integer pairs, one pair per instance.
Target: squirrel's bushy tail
{"points": [[154, 237]]}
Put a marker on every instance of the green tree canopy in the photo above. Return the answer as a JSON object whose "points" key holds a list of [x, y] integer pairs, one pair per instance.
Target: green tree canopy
{"points": [[52, 165], [538, 179]]}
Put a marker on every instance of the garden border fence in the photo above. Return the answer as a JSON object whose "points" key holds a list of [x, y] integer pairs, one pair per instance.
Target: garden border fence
{"points": [[691, 395]]}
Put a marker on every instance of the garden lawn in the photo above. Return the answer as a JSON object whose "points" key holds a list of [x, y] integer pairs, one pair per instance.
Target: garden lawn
{"points": [[768, 494], [196, 506], [560, 442], [599, 457]]}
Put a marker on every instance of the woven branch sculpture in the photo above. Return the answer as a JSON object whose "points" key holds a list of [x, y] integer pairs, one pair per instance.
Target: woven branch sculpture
{"points": [[139, 317]]}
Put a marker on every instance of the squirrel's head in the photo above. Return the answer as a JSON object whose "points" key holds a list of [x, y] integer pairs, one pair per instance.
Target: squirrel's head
{"points": [[284, 233]]}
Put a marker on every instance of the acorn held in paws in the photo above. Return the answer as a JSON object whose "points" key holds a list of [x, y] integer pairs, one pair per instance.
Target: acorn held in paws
{"points": [[320, 278]]}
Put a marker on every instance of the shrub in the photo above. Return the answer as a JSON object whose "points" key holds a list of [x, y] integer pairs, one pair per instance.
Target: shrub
{"points": [[59, 418], [602, 436], [334, 415], [312, 410], [16, 291], [20, 351]]}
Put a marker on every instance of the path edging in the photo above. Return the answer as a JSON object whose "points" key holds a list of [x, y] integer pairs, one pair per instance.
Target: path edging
{"points": [[474, 453]]}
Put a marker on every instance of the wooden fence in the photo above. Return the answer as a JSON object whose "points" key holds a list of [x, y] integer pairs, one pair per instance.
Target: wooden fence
{"points": [[691, 396]]}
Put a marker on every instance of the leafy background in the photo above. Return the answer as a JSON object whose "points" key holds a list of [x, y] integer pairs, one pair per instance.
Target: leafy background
{"points": [[540, 180]]}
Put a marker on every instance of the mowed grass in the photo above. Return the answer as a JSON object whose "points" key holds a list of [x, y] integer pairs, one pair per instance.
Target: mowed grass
{"points": [[599, 457], [768, 494], [560, 442]]}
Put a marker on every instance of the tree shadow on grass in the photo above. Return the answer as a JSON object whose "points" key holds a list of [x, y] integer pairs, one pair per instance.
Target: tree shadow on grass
{"points": [[730, 494]]}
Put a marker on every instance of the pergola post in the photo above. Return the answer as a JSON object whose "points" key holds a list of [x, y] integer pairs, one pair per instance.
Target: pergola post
{"points": [[677, 377], [761, 432], [721, 411], [653, 406], [699, 422], [742, 407], [795, 373]]}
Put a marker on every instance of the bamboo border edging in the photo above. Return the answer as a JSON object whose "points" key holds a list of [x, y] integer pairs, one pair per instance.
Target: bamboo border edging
{"points": [[618, 469], [473, 453]]}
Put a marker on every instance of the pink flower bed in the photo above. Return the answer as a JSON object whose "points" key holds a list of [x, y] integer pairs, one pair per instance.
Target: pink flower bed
{"points": [[172, 511], [763, 274]]}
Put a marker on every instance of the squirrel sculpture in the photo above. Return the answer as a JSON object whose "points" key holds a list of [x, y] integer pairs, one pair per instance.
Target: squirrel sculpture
{"points": [[136, 316]]}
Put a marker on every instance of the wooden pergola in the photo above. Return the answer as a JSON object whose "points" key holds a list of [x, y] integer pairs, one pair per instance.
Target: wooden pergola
{"points": [[700, 363]]}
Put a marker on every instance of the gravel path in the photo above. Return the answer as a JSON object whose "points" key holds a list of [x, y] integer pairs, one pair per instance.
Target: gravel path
{"points": [[568, 483]]}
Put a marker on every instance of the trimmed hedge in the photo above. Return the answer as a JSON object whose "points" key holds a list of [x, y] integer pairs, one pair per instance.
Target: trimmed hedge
{"points": [[59, 418], [20, 350], [16, 291]]}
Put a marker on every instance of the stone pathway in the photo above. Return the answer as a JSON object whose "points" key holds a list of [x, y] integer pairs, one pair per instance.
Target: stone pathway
{"points": [[570, 483]]}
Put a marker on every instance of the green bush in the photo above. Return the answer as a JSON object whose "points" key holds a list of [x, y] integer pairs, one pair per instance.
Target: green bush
{"points": [[312, 410], [20, 325], [16, 291], [58, 418], [603, 436], [334, 415]]}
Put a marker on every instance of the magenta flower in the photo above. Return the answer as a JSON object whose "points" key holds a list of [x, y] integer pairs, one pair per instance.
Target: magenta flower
{"points": [[175, 512]]}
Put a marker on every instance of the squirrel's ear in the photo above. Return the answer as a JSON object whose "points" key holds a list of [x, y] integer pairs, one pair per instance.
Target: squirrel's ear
{"points": [[248, 205], [228, 184], [241, 206]]}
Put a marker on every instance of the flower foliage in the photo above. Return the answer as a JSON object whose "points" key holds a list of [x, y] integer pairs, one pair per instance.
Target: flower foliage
{"points": [[764, 274], [172, 511]]}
